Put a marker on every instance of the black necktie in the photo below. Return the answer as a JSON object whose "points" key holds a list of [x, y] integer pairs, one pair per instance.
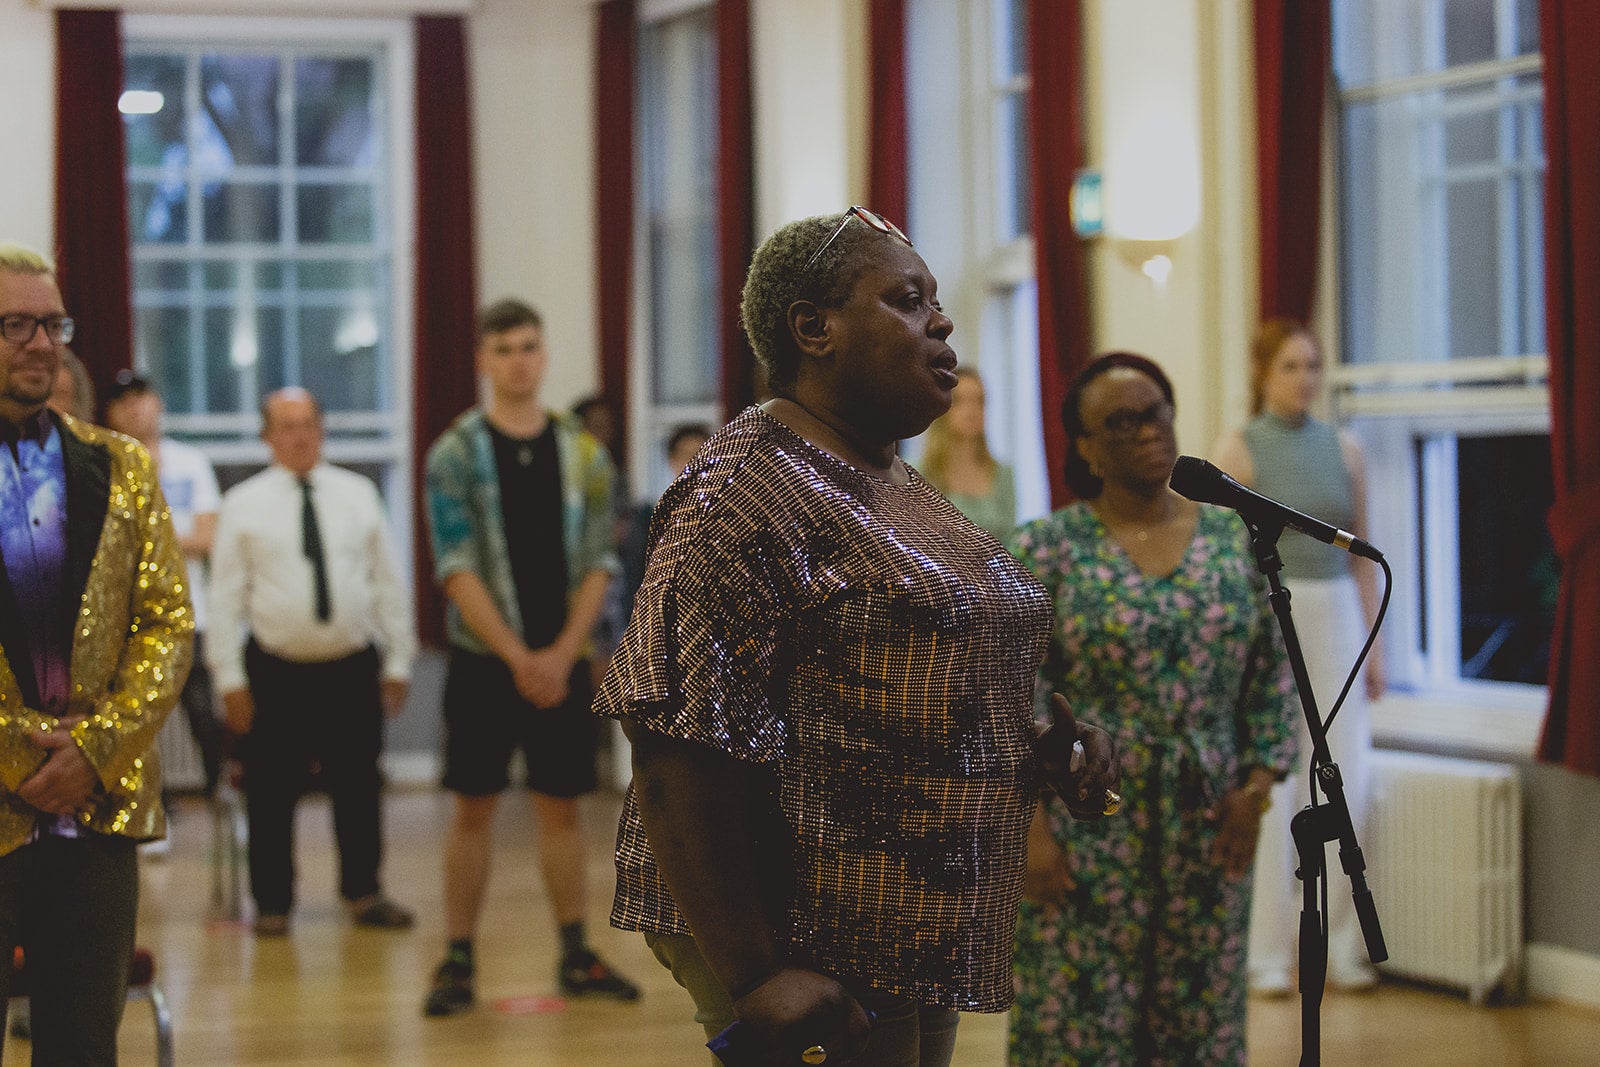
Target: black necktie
{"points": [[311, 544]]}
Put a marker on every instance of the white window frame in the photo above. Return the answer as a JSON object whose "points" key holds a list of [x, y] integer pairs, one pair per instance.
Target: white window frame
{"points": [[651, 420], [1389, 406], [350, 437], [987, 284]]}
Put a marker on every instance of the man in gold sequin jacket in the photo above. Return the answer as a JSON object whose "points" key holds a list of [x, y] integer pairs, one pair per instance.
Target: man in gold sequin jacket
{"points": [[96, 633]]}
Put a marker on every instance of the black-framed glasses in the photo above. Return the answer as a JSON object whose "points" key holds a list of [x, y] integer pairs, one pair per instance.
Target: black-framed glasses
{"points": [[866, 215], [1124, 424], [19, 328]]}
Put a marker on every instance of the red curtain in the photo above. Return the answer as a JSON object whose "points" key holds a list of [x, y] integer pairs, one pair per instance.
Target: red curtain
{"points": [[444, 378], [735, 199], [1293, 41], [614, 202], [886, 36], [1568, 29], [92, 192], [1055, 123]]}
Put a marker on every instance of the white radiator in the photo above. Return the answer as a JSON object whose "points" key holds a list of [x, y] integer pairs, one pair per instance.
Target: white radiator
{"points": [[1445, 867]]}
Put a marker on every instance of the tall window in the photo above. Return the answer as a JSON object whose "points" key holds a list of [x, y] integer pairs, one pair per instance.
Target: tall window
{"points": [[265, 194], [972, 221], [1442, 296], [676, 366]]}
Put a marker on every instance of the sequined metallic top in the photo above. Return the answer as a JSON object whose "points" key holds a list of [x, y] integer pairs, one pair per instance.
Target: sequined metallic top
{"points": [[877, 651], [132, 638]]}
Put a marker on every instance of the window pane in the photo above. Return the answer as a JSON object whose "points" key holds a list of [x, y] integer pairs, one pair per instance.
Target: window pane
{"points": [[161, 276], [1469, 31], [339, 356], [683, 306], [336, 214], [337, 274], [1013, 176], [241, 213], [1010, 39], [229, 352], [1472, 269], [1378, 40], [162, 338], [156, 139], [678, 153], [333, 125], [158, 213], [1442, 204], [1509, 571], [262, 314], [239, 103], [223, 276]]}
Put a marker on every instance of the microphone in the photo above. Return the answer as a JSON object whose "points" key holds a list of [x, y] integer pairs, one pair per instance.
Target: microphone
{"points": [[1202, 481]]}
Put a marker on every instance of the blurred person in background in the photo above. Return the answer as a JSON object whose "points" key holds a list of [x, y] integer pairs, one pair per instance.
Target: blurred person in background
{"points": [[133, 407], [956, 459], [1289, 454], [74, 389], [1131, 943], [311, 647]]}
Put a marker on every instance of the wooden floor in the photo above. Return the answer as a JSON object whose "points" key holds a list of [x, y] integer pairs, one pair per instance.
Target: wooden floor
{"points": [[333, 995]]}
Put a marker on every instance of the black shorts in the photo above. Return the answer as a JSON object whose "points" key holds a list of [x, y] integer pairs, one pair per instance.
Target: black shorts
{"points": [[486, 719]]}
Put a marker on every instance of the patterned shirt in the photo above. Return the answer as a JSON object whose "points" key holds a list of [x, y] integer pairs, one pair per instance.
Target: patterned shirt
{"points": [[33, 545], [876, 650], [467, 527]]}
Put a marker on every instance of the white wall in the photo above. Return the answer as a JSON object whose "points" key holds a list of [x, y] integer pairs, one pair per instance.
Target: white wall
{"points": [[28, 86], [809, 107], [1170, 100], [533, 149]]}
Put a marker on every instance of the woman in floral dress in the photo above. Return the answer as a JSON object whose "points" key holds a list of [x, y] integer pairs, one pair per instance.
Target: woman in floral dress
{"points": [[1131, 941]]}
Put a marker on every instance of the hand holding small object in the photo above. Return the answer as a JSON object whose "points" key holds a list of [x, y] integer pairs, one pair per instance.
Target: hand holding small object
{"points": [[1079, 762]]}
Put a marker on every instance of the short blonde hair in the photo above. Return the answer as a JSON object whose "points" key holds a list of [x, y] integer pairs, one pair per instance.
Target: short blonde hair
{"points": [[20, 259]]}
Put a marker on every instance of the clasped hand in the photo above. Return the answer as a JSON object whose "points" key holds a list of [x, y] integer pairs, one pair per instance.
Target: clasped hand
{"points": [[1085, 788], [796, 1009], [64, 783]]}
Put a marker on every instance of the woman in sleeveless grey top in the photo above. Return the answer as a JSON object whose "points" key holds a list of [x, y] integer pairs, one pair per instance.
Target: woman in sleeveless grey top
{"points": [[1291, 456]]}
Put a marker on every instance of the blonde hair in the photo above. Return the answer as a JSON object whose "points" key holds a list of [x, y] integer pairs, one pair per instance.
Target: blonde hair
{"points": [[20, 259], [1268, 342], [936, 446]]}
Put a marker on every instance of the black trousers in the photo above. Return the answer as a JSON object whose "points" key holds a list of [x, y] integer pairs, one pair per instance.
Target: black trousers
{"points": [[71, 903], [199, 706], [327, 716]]}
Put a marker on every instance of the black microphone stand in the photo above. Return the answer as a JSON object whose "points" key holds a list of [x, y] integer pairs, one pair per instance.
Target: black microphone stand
{"points": [[1317, 824]]}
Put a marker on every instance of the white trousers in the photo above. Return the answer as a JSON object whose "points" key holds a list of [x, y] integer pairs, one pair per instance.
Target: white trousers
{"points": [[1328, 618]]}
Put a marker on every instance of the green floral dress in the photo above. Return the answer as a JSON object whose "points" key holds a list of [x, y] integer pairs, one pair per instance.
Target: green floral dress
{"points": [[1147, 963]]}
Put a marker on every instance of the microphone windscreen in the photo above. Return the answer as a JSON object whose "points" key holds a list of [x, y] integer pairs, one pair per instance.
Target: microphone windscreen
{"points": [[1199, 480]]}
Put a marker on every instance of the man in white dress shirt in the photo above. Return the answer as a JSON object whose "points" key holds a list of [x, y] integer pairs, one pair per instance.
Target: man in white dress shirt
{"points": [[311, 643]]}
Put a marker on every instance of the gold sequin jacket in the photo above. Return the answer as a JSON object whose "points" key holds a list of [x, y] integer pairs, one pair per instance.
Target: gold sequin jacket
{"points": [[131, 643]]}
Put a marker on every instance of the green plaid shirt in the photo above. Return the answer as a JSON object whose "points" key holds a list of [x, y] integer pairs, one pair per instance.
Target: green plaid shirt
{"points": [[467, 529]]}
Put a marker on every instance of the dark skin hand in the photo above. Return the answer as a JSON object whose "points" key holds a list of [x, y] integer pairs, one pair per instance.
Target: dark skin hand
{"points": [[818, 1011], [1084, 792], [1048, 877]]}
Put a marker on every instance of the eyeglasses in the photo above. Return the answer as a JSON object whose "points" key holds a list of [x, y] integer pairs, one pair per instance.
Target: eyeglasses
{"points": [[1124, 424], [19, 329], [871, 218]]}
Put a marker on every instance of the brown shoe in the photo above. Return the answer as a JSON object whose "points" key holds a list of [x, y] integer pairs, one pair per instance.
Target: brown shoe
{"points": [[378, 912]]}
